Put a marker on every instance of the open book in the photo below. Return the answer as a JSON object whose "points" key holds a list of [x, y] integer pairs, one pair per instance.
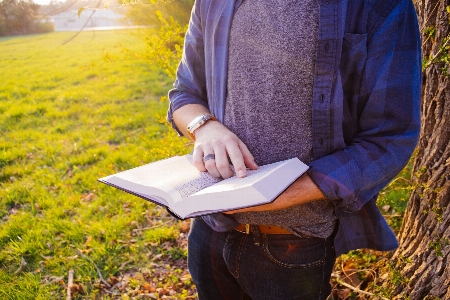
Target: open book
{"points": [[177, 185]]}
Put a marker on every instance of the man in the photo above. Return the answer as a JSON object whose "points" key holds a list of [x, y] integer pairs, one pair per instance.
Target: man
{"points": [[335, 83]]}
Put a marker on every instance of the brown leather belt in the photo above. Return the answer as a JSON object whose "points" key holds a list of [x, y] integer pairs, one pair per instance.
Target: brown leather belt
{"points": [[267, 229]]}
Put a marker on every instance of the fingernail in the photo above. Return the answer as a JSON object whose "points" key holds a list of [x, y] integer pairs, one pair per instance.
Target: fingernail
{"points": [[241, 173]]}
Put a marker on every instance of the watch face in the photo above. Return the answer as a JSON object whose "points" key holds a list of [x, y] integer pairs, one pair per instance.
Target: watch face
{"points": [[198, 121]]}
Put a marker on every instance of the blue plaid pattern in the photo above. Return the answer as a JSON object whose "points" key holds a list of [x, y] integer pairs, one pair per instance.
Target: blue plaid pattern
{"points": [[366, 102]]}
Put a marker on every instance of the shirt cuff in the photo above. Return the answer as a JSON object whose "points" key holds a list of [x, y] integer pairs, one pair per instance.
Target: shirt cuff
{"points": [[179, 99]]}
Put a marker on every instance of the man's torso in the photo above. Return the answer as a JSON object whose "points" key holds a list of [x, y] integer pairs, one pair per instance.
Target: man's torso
{"points": [[272, 49]]}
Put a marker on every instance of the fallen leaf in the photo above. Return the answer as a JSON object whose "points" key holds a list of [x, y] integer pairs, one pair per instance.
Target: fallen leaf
{"points": [[76, 288], [351, 277], [148, 287], [344, 293], [156, 257], [186, 277], [88, 197], [162, 291], [113, 280], [88, 241], [185, 226]]}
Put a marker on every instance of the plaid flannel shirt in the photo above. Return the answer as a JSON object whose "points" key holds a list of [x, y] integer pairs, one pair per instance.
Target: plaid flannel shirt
{"points": [[366, 102]]}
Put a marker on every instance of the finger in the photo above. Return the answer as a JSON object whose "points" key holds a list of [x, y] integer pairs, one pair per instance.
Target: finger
{"points": [[210, 164], [237, 159], [249, 160], [197, 159], [222, 164]]}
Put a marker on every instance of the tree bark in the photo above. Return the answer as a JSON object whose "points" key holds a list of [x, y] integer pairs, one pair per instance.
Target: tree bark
{"points": [[423, 258]]}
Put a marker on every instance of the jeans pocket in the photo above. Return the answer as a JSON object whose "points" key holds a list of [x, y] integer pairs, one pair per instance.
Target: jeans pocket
{"points": [[232, 252], [295, 252]]}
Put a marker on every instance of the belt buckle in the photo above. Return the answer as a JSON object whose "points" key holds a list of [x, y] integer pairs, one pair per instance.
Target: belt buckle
{"points": [[247, 228]]}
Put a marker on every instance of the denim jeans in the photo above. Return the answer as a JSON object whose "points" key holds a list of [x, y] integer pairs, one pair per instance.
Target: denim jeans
{"points": [[229, 265]]}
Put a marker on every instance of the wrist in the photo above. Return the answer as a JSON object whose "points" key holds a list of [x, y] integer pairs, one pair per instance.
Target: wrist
{"points": [[198, 122]]}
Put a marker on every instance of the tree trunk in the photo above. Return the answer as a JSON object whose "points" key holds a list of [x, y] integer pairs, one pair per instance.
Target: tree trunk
{"points": [[423, 258]]}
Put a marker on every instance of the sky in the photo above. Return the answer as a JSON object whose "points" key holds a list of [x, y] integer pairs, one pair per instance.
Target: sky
{"points": [[46, 2], [42, 2]]}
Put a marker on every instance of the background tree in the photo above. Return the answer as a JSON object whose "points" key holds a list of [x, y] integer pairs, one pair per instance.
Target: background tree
{"points": [[21, 17], [168, 21], [144, 13], [422, 262]]}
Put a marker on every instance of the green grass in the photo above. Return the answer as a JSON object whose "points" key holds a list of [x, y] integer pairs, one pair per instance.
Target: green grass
{"points": [[67, 117]]}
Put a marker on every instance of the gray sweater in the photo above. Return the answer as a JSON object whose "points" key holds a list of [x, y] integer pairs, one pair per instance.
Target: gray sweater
{"points": [[269, 98]]}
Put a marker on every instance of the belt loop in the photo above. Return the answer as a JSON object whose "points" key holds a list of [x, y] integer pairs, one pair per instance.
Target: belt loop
{"points": [[256, 235]]}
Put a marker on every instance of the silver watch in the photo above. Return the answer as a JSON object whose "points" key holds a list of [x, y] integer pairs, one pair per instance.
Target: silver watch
{"points": [[198, 122]]}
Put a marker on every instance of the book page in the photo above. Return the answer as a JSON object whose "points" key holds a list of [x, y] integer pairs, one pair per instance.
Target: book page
{"points": [[235, 182], [200, 182], [175, 176]]}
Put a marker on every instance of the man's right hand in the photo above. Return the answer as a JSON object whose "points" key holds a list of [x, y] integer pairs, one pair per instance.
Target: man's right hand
{"points": [[214, 138]]}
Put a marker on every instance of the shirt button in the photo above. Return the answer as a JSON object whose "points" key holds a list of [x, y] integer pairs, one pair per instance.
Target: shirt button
{"points": [[327, 47]]}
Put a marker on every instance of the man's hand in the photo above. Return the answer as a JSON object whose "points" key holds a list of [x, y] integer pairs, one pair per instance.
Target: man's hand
{"points": [[214, 138]]}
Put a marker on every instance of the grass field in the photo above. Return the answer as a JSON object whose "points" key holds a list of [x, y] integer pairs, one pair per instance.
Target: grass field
{"points": [[67, 117]]}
